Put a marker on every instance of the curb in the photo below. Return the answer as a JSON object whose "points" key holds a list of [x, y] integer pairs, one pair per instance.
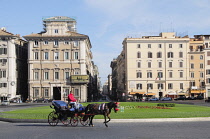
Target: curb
{"points": [[115, 120]]}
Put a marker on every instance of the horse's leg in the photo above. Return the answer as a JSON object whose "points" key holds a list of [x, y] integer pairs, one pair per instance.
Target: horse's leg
{"points": [[109, 118], [105, 120], [91, 120]]}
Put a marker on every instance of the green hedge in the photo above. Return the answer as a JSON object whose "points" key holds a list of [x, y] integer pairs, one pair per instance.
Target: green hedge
{"points": [[166, 104]]}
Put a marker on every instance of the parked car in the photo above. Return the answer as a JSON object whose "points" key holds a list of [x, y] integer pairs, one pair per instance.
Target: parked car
{"points": [[166, 99], [41, 100], [153, 99], [5, 103], [191, 98], [200, 97], [181, 98]]}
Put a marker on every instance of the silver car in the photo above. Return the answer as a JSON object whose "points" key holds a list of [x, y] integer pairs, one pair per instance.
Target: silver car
{"points": [[5, 103]]}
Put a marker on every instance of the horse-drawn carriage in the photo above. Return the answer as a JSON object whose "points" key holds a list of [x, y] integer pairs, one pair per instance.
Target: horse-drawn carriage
{"points": [[67, 114], [76, 112]]}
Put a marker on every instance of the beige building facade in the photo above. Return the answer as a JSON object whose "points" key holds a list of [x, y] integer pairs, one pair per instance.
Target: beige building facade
{"points": [[197, 67], [60, 61], [154, 66], [13, 66]]}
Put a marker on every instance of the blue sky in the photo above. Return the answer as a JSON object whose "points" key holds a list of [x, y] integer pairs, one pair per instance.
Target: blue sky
{"points": [[108, 22]]}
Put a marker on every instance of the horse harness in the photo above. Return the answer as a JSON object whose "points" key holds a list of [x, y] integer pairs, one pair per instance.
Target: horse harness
{"points": [[102, 107]]}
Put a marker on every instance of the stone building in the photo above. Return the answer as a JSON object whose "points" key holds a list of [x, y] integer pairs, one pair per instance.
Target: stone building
{"points": [[59, 61], [13, 66]]}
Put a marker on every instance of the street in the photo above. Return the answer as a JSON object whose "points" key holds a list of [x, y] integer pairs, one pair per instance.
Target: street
{"points": [[143, 130]]}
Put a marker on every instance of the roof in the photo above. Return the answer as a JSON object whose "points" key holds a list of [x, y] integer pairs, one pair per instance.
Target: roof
{"points": [[59, 18], [5, 33], [68, 34]]}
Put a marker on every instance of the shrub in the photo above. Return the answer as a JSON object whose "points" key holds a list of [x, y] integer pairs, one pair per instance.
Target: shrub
{"points": [[166, 104]]}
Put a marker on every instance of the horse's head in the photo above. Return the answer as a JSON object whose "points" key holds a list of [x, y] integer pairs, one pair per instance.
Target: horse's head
{"points": [[116, 106]]}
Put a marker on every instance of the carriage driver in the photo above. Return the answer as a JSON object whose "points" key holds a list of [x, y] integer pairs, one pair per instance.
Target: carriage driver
{"points": [[71, 99]]}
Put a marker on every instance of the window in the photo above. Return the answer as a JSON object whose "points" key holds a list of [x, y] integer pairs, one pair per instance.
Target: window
{"points": [[181, 74], [3, 51], [149, 74], [191, 48], [180, 54], [76, 55], [160, 75], [180, 64], [201, 57], [170, 55], [208, 53], [138, 75], [76, 43], [192, 83], [149, 65], [36, 43], [160, 86], [66, 42], [66, 92], [66, 55], [36, 92], [159, 55], [149, 54], [46, 75], [170, 64], [56, 55], [160, 64], [170, 74], [149, 86], [36, 75], [208, 62], [3, 73], [159, 46], [46, 92], [67, 75], [138, 45], [180, 46], [56, 43], [139, 55], [46, 55], [138, 86], [192, 66], [170, 86], [170, 45], [181, 86], [192, 74], [45, 42], [76, 92], [149, 45], [36, 55], [3, 62], [139, 64], [56, 30], [3, 85], [56, 75], [201, 75], [191, 57], [201, 65], [207, 71]]}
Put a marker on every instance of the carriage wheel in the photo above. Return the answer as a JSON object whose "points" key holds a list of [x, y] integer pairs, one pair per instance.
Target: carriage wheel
{"points": [[84, 122], [53, 118], [66, 121], [74, 121]]}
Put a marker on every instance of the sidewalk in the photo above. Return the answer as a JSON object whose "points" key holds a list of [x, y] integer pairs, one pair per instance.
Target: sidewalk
{"points": [[200, 119]]}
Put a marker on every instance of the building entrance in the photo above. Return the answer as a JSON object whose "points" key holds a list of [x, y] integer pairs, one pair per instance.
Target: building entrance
{"points": [[57, 93]]}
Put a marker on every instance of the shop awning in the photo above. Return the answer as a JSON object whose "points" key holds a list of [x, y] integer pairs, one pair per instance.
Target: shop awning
{"points": [[151, 94], [197, 91], [133, 93], [181, 94]]}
